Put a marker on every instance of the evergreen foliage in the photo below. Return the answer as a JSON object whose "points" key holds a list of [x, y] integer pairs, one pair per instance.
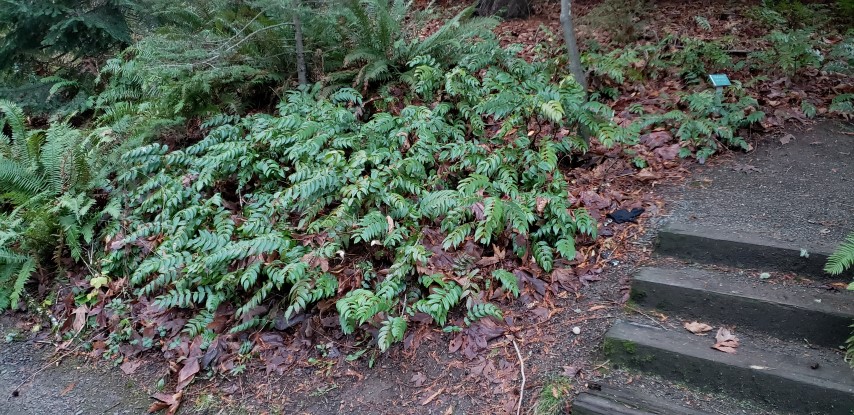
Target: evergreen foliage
{"points": [[381, 44], [36, 31], [709, 123], [46, 181], [257, 211], [842, 258]]}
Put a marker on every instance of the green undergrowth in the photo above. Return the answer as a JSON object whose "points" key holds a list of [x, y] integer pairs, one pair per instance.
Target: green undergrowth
{"points": [[47, 180], [259, 210], [708, 122], [554, 396], [184, 181]]}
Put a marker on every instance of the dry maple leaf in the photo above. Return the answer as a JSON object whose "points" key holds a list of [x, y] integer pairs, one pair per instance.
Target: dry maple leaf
{"points": [[698, 328], [725, 341]]}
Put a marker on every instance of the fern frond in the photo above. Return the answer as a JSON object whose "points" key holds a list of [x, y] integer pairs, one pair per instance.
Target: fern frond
{"points": [[841, 259]]}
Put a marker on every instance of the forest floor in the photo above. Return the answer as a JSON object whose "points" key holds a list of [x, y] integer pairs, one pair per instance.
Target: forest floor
{"points": [[444, 374], [479, 371]]}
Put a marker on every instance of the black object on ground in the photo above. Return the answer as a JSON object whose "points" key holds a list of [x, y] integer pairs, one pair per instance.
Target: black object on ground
{"points": [[623, 215]]}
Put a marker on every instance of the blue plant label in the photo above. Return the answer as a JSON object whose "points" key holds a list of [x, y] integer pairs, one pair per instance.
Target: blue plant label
{"points": [[719, 80]]}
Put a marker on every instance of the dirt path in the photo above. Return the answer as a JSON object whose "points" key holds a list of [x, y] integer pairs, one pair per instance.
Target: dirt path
{"points": [[795, 188], [71, 386]]}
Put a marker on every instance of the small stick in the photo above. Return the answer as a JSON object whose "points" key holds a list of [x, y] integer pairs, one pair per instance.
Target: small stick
{"points": [[522, 368], [602, 365], [647, 316]]}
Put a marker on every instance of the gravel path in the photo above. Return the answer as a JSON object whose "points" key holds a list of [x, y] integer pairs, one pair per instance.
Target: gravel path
{"points": [[72, 386], [798, 192]]}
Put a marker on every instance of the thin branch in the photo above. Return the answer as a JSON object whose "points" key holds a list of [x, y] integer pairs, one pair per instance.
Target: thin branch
{"points": [[522, 369], [256, 32], [647, 316], [246, 26]]}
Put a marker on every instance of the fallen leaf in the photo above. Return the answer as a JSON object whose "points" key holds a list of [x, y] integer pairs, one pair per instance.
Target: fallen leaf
{"points": [[725, 341], [357, 375], [390, 223], [165, 400], [541, 204], [487, 261], [648, 174], [588, 278], [745, 168], [698, 328], [570, 371], [668, 153], [187, 373], [130, 366], [418, 379], [68, 389], [656, 139], [725, 335], [786, 139], [79, 317]]}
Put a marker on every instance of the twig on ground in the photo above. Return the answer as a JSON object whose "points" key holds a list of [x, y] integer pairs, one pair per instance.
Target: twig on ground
{"points": [[522, 369], [647, 316], [605, 363]]}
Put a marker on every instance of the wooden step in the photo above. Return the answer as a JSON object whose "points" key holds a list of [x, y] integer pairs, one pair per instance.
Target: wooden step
{"points": [[708, 245], [783, 382], [797, 313], [625, 401]]}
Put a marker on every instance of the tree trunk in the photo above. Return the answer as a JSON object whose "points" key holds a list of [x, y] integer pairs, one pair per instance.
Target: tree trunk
{"points": [[571, 43], [300, 49], [508, 9]]}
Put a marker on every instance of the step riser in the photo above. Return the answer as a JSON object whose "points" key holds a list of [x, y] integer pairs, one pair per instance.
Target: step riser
{"points": [[662, 354], [610, 401], [587, 404], [738, 253], [779, 320]]}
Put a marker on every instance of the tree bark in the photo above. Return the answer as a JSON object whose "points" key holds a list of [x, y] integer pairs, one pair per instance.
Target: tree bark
{"points": [[571, 43], [509, 9], [300, 48]]}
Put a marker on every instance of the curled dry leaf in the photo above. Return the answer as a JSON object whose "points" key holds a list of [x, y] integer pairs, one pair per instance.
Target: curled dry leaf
{"points": [[390, 223], [698, 328], [725, 341], [166, 401]]}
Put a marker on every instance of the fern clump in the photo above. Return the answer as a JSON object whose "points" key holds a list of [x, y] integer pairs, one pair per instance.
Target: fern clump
{"points": [[381, 41], [708, 122], [46, 180], [791, 52], [264, 208]]}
